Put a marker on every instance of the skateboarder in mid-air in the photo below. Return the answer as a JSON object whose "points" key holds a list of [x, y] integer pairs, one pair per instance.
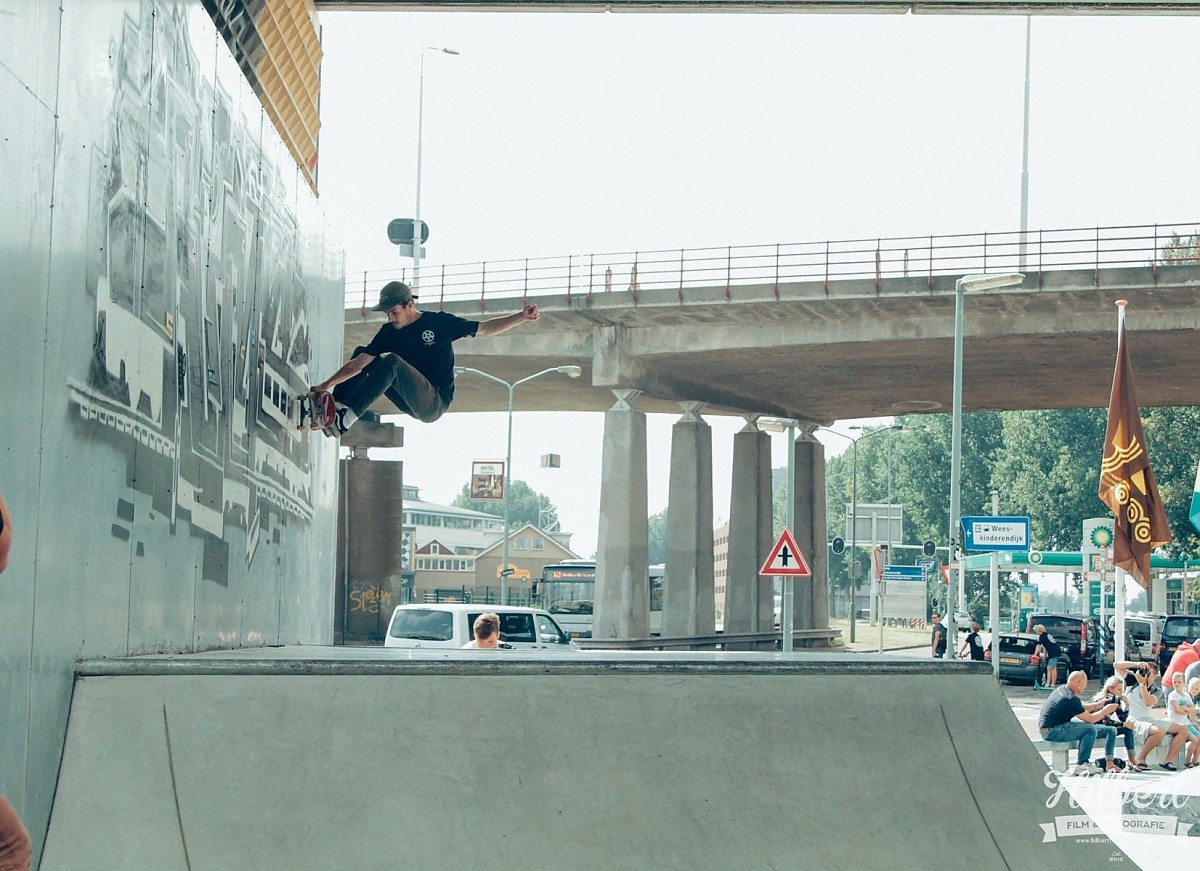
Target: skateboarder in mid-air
{"points": [[410, 360]]}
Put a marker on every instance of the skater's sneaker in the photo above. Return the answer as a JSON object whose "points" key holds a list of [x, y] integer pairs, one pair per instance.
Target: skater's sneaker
{"points": [[1085, 769], [340, 421]]}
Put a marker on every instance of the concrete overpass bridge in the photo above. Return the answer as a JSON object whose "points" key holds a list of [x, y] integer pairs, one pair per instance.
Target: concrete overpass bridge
{"points": [[829, 330], [815, 332]]}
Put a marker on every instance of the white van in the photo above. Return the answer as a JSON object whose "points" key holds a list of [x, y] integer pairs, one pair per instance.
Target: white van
{"points": [[1146, 630], [447, 625]]}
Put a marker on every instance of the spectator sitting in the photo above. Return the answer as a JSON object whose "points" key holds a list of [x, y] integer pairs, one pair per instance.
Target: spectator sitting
{"points": [[1185, 655], [1139, 688], [1065, 718], [1113, 692], [1181, 709]]}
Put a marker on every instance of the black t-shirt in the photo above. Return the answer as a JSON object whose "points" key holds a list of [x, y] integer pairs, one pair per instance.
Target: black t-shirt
{"points": [[1047, 641], [426, 345], [1060, 707], [975, 645]]}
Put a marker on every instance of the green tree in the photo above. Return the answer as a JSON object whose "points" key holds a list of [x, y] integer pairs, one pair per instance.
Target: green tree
{"points": [[1172, 443], [1049, 469], [1045, 464], [658, 537], [1182, 249], [525, 506]]}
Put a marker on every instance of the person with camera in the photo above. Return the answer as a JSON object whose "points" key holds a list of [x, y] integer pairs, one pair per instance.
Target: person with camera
{"points": [[1113, 692], [1065, 717], [1138, 678]]}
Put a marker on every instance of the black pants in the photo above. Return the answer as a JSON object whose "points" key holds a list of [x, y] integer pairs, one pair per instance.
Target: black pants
{"points": [[388, 375]]}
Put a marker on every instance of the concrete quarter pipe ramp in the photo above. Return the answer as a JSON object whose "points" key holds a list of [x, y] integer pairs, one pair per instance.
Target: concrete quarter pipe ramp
{"points": [[306, 758]]}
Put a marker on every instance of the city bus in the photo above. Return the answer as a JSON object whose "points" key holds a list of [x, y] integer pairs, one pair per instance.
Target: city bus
{"points": [[568, 591]]}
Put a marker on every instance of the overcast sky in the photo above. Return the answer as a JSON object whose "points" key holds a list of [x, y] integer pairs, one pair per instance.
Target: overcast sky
{"points": [[556, 134]]}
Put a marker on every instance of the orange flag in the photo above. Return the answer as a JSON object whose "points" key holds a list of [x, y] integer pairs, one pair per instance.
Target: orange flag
{"points": [[1127, 484]]}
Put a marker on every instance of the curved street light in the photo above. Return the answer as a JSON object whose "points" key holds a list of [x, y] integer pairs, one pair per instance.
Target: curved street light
{"points": [[417, 227], [854, 509], [954, 591], [570, 372]]}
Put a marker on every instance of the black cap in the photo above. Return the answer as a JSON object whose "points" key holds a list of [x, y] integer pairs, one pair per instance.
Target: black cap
{"points": [[394, 293]]}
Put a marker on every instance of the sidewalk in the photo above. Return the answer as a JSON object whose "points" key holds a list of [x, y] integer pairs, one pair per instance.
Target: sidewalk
{"points": [[867, 636]]}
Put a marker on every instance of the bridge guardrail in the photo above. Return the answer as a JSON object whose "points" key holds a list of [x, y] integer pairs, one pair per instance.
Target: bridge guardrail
{"points": [[1032, 251]]}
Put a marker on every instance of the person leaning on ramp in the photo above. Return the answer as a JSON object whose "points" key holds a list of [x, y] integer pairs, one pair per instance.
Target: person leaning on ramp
{"points": [[1065, 718], [486, 630], [410, 360]]}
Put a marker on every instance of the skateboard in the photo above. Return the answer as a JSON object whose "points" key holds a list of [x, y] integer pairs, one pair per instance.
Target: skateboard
{"points": [[316, 410]]}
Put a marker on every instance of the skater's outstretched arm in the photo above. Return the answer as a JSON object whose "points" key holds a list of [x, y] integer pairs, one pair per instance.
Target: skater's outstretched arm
{"points": [[494, 326], [348, 371]]}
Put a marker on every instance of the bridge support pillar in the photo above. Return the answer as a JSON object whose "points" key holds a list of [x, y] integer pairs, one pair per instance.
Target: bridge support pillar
{"points": [[749, 600], [622, 607], [812, 594], [688, 596]]}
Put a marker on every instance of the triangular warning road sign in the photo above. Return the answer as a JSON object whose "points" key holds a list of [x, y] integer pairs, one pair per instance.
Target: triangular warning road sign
{"points": [[786, 558]]}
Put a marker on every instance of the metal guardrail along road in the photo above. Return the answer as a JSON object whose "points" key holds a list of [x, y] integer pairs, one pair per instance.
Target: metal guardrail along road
{"points": [[1034, 252]]}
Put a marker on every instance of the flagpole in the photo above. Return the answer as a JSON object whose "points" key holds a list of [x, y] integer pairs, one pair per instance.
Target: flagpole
{"points": [[1119, 573], [1119, 652], [1127, 484]]}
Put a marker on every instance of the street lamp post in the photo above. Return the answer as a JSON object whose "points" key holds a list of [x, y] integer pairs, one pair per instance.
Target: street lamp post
{"points": [[854, 510], [417, 226], [786, 610], [968, 282], [570, 372]]}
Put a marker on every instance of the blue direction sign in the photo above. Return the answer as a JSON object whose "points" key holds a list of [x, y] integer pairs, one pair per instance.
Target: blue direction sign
{"points": [[903, 573], [996, 533]]}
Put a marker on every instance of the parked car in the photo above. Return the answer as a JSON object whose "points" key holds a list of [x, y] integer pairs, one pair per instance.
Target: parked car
{"points": [[1177, 628], [1078, 636], [1018, 661], [447, 625]]}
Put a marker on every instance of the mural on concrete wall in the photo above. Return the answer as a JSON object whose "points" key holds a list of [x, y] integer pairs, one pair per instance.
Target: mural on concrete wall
{"points": [[201, 330]]}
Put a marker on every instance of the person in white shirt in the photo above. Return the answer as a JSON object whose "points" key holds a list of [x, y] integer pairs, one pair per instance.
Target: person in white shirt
{"points": [[486, 630], [1182, 710], [1139, 687]]}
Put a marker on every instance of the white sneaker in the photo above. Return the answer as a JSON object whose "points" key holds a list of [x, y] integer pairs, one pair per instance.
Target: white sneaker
{"points": [[1086, 769]]}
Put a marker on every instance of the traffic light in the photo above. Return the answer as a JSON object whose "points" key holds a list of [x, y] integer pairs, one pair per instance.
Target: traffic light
{"points": [[929, 547], [838, 544], [935, 603]]}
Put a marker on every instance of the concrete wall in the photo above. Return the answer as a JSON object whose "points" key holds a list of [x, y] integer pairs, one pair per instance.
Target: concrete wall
{"points": [[622, 760], [163, 269]]}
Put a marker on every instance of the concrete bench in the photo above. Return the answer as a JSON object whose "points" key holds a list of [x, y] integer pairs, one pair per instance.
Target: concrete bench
{"points": [[1062, 752]]}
